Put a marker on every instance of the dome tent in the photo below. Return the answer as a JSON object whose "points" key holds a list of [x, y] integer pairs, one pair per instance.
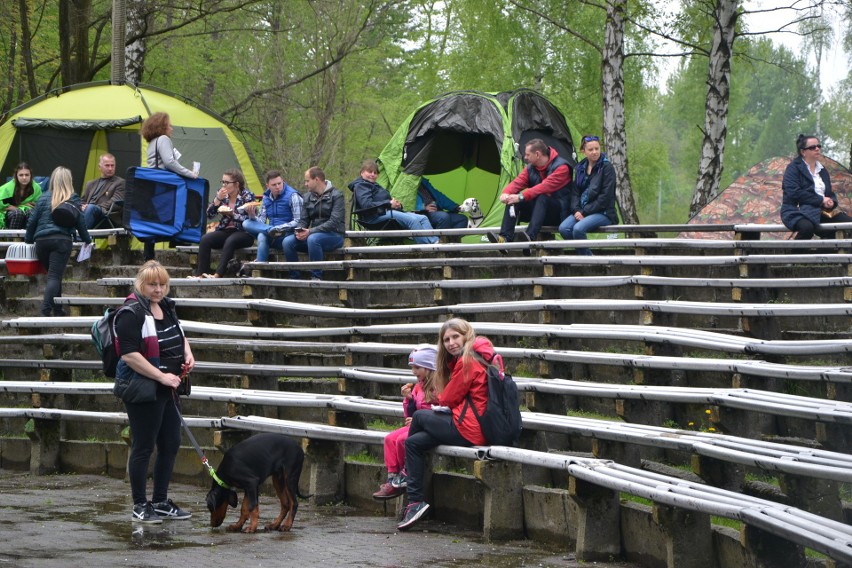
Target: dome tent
{"points": [[73, 126], [470, 144]]}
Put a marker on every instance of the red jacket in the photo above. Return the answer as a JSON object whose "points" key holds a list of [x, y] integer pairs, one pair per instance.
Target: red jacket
{"points": [[471, 379], [560, 177]]}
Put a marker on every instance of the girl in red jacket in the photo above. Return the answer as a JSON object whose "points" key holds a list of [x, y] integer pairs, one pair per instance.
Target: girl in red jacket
{"points": [[462, 360], [416, 397]]}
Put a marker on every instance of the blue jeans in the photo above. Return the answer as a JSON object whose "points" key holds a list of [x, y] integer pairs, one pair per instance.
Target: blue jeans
{"points": [[315, 245], [260, 230], [411, 221], [447, 220], [572, 229], [93, 215]]}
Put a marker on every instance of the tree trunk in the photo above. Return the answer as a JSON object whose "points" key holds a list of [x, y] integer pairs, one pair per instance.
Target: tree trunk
{"points": [[612, 86], [134, 52], [711, 162], [118, 68], [74, 20], [26, 48]]}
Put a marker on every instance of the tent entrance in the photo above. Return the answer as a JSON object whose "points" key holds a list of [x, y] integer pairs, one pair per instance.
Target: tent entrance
{"points": [[460, 165]]}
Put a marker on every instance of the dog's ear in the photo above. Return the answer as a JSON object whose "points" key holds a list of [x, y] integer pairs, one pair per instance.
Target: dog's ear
{"points": [[232, 499]]}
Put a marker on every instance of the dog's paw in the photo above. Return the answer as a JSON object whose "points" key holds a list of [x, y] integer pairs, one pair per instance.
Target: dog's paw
{"points": [[235, 528]]}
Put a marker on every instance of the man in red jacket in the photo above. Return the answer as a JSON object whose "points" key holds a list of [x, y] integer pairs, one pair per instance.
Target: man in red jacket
{"points": [[539, 193]]}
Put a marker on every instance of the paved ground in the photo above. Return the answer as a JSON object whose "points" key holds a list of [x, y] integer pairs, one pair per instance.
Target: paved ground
{"points": [[67, 521]]}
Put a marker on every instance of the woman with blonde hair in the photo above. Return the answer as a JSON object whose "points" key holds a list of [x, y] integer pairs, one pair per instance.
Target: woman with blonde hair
{"points": [[53, 242], [155, 359], [462, 361]]}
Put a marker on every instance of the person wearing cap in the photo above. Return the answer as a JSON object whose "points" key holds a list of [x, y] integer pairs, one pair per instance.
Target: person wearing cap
{"points": [[417, 396]]}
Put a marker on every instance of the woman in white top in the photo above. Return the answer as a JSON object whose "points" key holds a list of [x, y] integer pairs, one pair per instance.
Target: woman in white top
{"points": [[808, 198]]}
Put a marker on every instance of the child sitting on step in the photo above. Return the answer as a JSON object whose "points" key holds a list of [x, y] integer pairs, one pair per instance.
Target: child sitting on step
{"points": [[415, 397]]}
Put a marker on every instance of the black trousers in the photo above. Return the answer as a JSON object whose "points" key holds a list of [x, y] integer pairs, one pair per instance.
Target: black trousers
{"points": [[806, 229], [53, 253], [229, 240], [153, 424], [543, 209], [428, 430]]}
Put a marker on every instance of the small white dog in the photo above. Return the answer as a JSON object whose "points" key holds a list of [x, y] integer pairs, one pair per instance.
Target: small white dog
{"points": [[474, 213]]}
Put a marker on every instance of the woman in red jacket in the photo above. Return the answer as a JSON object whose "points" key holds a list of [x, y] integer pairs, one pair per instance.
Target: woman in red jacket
{"points": [[462, 361]]}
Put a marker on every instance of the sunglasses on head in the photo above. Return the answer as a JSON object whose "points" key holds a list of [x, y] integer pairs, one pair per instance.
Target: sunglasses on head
{"points": [[590, 139]]}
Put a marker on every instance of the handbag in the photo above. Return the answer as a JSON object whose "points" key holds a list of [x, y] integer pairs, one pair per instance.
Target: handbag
{"points": [[833, 213], [66, 214]]}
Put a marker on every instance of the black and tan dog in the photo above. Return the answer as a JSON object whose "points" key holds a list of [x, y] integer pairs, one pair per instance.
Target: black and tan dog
{"points": [[246, 466]]}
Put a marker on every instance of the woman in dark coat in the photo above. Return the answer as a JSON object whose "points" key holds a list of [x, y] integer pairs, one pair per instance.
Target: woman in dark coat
{"points": [[592, 200], [808, 198]]}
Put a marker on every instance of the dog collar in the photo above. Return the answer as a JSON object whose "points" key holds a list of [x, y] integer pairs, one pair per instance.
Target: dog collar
{"points": [[216, 478]]}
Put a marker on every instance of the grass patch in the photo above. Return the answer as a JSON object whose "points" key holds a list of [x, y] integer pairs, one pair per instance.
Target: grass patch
{"points": [[383, 426], [588, 414], [363, 457], [627, 497], [725, 522], [763, 479]]}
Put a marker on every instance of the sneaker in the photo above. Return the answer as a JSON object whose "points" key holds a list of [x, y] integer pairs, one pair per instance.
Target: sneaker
{"points": [[400, 480], [387, 491], [144, 513], [244, 271], [168, 510], [413, 513], [275, 232], [497, 239]]}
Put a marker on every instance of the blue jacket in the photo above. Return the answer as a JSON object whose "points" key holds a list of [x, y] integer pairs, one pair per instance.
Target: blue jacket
{"points": [[279, 211], [801, 201], [40, 224], [599, 187], [440, 200]]}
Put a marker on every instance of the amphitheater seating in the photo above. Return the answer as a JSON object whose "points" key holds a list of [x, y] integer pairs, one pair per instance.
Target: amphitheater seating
{"points": [[647, 332]]}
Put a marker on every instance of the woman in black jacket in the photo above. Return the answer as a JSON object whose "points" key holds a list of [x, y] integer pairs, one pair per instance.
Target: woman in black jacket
{"points": [[52, 242], [155, 358], [593, 194], [808, 198]]}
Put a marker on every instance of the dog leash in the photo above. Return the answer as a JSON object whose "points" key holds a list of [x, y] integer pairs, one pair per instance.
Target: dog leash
{"points": [[192, 439]]}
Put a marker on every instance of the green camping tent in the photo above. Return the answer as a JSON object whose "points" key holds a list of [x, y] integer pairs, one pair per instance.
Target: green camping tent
{"points": [[470, 144], [73, 126]]}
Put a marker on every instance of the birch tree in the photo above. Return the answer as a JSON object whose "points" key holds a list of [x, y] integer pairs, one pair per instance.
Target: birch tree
{"points": [[711, 161]]}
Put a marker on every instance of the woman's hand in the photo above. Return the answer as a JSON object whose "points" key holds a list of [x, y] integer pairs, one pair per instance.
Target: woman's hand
{"points": [[170, 380], [827, 203], [578, 216], [188, 358]]}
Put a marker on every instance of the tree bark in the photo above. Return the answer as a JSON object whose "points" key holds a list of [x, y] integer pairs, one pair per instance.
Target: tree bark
{"points": [[612, 87], [710, 164], [134, 52]]}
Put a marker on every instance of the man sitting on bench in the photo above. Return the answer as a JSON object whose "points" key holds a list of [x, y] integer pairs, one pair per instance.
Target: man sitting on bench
{"points": [[375, 204]]}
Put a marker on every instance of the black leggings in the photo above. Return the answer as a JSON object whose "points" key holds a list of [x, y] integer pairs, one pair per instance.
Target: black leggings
{"points": [[153, 423], [806, 229], [229, 240]]}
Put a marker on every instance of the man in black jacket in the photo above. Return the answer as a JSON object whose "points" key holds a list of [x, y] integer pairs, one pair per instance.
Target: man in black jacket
{"points": [[322, 225]]}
